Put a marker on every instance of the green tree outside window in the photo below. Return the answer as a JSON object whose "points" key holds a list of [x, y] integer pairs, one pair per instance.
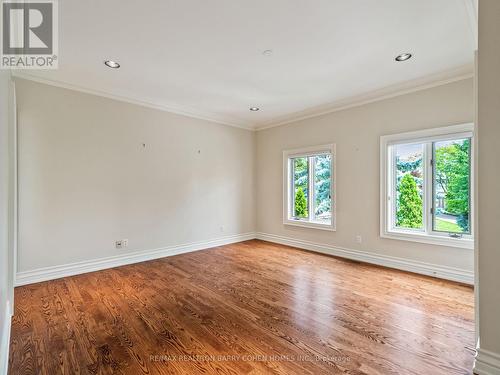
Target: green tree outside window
{"points": [[409, 210], [300, 203]]}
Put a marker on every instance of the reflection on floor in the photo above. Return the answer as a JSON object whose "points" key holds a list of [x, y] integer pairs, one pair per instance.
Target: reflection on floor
{"points": [[251, 307]]}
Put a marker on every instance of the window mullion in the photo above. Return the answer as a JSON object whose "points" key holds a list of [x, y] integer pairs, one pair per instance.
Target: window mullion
{"points": [[311, 189], [291, 189], [428, 188], [393, 192]]}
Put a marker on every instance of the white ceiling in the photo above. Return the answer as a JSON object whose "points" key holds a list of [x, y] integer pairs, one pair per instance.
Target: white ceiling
{"points": [[204, 58]]}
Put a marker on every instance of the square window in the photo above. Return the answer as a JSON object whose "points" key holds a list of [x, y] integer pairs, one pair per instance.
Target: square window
{"points": [[427, 186]]}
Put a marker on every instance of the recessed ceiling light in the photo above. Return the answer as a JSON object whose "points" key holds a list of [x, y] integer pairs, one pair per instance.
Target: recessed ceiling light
{"points": [[254, 109], [403, 57], [267, 52], [111, 64]]}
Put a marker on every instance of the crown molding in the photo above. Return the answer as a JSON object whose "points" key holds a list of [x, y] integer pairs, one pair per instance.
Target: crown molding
{"points": [[171, 108], [471, 7], [423, 83], [419, 84]]}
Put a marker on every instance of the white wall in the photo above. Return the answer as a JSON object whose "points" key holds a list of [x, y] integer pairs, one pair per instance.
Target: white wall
{"points": [[6, 255], [357, 132], [85, 179], [4, 196], [488, 360]]}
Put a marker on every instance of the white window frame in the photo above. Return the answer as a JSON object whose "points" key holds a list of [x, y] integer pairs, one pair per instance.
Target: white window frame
{"points": [[287, 187], [387, 186]]}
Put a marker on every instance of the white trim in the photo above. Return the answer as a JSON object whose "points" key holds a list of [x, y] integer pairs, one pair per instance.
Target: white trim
{"points": [[170, 107], [310, 151], [428, 134], [13, 193], [287, 197], [56, 272], [429, 269], [475, 200], [5, 341], [429, 236], [486, 362], [463, 243], [434, 80], [50, 273]]}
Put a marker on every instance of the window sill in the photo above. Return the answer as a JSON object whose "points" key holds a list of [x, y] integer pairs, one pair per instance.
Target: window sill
{"points": [[310, 224], [464, 243]]}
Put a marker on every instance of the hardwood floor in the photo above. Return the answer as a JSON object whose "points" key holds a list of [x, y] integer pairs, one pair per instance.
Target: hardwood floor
{"points": [[248, 308]]}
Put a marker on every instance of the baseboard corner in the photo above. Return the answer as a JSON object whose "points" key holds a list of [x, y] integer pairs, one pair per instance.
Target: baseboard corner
{"points": [[486, 363]]}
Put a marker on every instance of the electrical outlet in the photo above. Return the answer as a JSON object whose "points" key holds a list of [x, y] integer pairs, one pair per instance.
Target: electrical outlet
{"points": [[120, 244], [359, 239], [222, 228]]}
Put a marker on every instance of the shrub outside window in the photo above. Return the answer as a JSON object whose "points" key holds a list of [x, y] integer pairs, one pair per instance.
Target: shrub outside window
{"points": [[427, 186]]}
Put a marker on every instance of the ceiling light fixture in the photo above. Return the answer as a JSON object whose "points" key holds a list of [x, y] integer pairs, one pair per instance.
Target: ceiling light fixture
{"points": [[403, 57], [111, 64], [254, 109], [267, 52]]}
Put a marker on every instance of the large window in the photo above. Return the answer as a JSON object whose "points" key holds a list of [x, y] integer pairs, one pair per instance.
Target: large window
{"points": [[427, 186], [309, 187]]}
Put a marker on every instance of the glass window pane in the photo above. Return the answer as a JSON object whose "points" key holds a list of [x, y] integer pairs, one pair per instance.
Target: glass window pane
{"points": [[322, 191], [300, 182], [409, 186], [451, 186]]}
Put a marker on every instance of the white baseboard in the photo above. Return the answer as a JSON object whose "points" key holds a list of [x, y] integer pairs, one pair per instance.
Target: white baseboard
{"points": [[5, 341], [56, 272], [443, 272], [486, 363]]}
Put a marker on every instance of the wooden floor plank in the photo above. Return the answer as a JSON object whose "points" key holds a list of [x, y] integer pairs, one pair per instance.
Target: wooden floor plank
{"points": [[247, 308]]}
